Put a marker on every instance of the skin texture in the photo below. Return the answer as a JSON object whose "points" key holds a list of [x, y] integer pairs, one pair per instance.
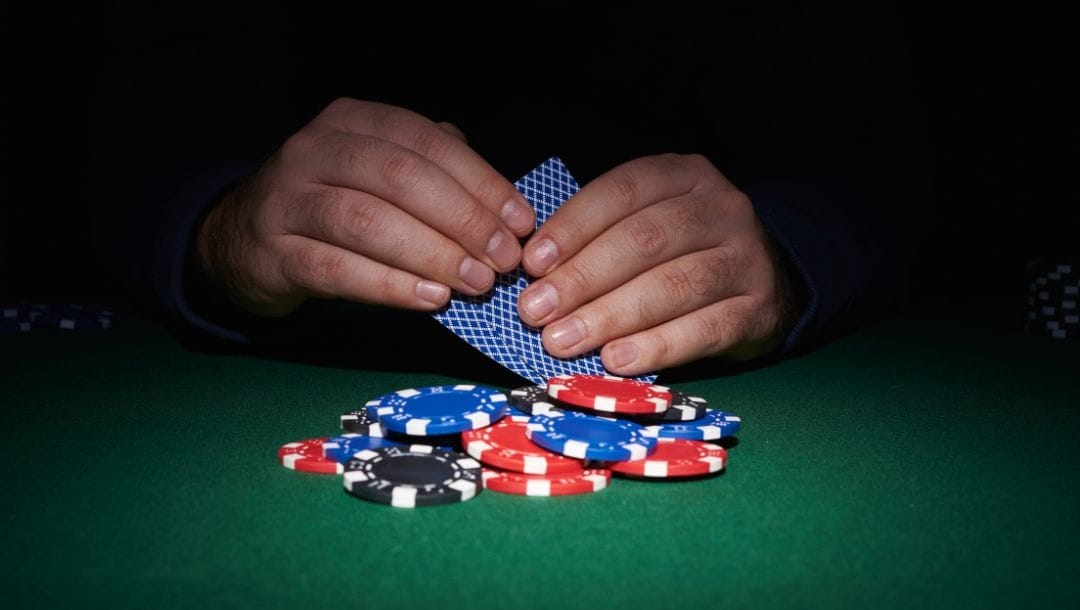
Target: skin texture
{"points": [[368, 202], [661, 261]]}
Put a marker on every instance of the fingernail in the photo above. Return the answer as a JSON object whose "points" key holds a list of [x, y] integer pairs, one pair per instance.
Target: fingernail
{"points": [[517, 216], [503, 251], [475, 274], [542, 255], [432, 292], [568, 333], [623, 353], [540, 300]]}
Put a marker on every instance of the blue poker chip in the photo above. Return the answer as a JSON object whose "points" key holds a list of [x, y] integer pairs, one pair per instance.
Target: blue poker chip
{"points": [[716, 424], [589, 437], [343, 447], [444, 409]]}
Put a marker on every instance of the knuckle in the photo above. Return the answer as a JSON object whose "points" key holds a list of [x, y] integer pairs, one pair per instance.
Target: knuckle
{"points": [[341, 104], [321, 203], [573, 279], [604, 322], [401, 170], [492, 189], [298, 146], [694, 160], [623, 188], [693, 216], [722, 262], [716, 330], [678, 285], [647, 237], [384, 283], [348, 153], [473, 224], [663, 349], [312, 268], [433, 143]]}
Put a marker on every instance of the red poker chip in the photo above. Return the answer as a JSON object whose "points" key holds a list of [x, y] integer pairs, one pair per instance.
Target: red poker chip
{"points": [[588, 480], [676, 457], [307, 456], [505, 445], [610, 394]]}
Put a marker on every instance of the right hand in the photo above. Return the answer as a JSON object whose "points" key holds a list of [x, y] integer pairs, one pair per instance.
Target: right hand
{"points": [[369, 203]]}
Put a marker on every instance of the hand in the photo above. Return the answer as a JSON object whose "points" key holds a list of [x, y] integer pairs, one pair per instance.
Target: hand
{"points": [[370, 203], [661, 261]]}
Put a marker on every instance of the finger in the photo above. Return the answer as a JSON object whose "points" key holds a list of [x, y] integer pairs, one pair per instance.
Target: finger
{"points": [[324, 270], [736, 329], [453, 130], [416, 185], [666, 292], [367, 225], [446, 150], [605, 201], [653, 236]]}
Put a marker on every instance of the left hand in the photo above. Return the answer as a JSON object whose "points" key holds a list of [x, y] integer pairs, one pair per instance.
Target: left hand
{"points": [[661, 261]]}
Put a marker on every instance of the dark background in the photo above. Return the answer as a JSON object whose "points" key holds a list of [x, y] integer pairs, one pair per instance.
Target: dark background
{"points": [[999, 114]]}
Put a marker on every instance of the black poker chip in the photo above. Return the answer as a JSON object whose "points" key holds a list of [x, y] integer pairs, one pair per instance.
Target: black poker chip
{"points": [[534, 400], [684, 407], [362, 421], [411, 476]]}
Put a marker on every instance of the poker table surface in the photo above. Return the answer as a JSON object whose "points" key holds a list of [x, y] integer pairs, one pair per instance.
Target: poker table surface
{"points": [[929, 459]]}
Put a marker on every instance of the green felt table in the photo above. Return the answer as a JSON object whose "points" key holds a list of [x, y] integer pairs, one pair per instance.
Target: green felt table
{"points": [[927, 460]]}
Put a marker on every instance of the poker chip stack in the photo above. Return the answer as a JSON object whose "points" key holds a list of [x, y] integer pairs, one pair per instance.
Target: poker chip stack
{"points": [[24, 317], [1053, 293], [445, 444]]}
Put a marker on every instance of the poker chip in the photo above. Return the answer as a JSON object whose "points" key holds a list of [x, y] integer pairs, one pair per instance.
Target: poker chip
{"points": [[416, 475], [506, 445], [532, 399], [684, 407], [1053, 301], [610, 394], [589, 437], [341, 448], [363, 421], [676, 457], [307, 456], [440, 409], [512, 411], [716, 424], [445, 442], [70, 317], [14, 325], [586, 481]]}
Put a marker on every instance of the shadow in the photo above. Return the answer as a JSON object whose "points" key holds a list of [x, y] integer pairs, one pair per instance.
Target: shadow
{"points": [[351, 336], [671, 480]]}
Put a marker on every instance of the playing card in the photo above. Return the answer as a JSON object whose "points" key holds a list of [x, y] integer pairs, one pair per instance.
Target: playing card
{"points": [[490, 322]]}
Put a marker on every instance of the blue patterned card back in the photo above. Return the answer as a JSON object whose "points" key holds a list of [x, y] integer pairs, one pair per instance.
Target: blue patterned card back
{"points": [[490, 322]]}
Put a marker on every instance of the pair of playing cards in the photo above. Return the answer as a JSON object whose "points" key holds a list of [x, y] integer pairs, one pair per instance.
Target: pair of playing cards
{"points": [[490, 322]]}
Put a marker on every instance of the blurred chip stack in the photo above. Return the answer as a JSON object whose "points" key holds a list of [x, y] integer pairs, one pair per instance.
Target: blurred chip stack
{"points": [[1052, 296]]}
